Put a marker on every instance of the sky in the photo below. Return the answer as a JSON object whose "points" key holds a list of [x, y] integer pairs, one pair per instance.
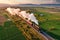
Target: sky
{"points": [[30, 1]]}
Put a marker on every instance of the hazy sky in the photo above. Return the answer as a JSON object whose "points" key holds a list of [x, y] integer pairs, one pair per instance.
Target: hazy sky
{"points": [[30, 1]]}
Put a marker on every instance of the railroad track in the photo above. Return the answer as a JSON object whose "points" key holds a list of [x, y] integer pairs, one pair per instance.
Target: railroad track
{"points": [[42, 32], [36, 28]]}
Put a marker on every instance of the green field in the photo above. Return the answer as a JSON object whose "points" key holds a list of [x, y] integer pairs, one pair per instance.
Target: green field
{"points": [[10, 32], [49, 22]]}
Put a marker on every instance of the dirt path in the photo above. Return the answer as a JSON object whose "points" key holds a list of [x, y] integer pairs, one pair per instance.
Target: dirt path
{"points": [[2, 19]]}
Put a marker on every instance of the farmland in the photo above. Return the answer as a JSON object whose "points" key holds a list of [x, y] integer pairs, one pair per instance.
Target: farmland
{"points": [[49, 21], [9, 31]]}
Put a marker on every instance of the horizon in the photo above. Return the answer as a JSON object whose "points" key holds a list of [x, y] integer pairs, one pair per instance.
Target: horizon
{"points": [[30, 1]]}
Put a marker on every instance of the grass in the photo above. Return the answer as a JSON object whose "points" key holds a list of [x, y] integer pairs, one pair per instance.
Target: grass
{"points": [[48, 21], [10, 32]]}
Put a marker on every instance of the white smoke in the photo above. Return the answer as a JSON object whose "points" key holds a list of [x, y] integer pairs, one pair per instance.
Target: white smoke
{"points": [[17, 11]]}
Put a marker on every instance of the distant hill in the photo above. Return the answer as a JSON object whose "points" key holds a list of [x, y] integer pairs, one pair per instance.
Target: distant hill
{"points": [[38, 5], [50, 4], [29, 5]]}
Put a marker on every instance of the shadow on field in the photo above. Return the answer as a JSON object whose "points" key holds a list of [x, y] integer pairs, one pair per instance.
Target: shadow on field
{"points": [[52, 35]]}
